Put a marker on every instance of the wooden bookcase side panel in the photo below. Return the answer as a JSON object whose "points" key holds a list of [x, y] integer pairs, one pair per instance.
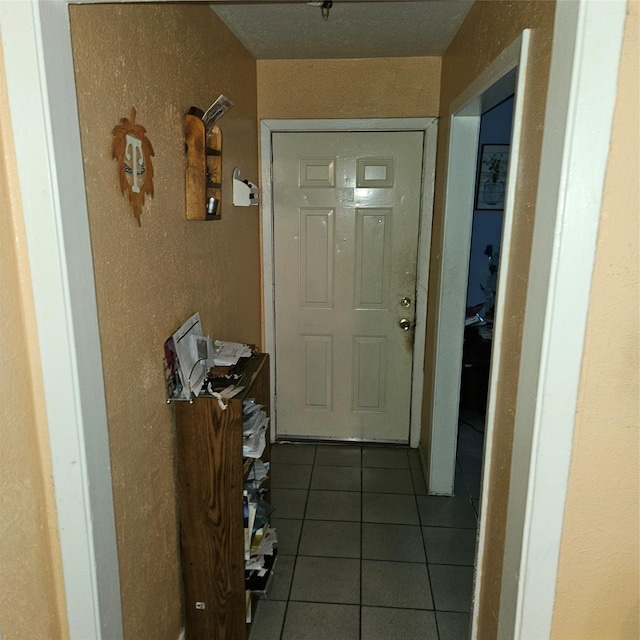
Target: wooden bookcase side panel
{"points": [[209, 444], [210, 486]]}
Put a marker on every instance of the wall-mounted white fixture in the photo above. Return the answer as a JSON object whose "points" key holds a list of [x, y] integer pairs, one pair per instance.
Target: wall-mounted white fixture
{"points": [[245, 193]]}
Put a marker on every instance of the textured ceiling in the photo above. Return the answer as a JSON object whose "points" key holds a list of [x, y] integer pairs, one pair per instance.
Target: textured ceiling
{"points": [[354, 29]]}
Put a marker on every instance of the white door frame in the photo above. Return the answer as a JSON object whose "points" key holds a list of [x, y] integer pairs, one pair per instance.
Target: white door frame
{"points": [[503, 77], [587, 44], [426, 125]]}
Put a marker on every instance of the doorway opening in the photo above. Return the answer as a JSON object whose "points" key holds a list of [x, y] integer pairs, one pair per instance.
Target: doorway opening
{"points": [[505, 77], [484, 261]]}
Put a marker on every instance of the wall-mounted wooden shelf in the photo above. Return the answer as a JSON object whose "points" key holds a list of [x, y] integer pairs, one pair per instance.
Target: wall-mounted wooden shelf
{"points": [[204, 169]]}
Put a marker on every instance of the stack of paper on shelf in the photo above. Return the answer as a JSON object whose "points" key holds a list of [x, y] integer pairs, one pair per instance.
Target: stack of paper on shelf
{"points": [[259, 471], [264, 542], [258, 567], [249, 519], [254, 428], [257, 581], [260, 542], [230, 352]]}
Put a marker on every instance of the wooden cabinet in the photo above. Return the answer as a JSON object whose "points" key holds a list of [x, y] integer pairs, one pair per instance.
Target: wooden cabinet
{"points": [[203, 147], [211, 476]]}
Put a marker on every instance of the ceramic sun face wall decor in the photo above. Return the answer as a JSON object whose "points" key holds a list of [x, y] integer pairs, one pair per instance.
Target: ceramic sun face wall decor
{"points": [[133, 151]]}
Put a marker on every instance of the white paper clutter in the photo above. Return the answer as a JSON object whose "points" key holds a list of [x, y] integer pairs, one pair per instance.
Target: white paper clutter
{"points": [[254, 428]]}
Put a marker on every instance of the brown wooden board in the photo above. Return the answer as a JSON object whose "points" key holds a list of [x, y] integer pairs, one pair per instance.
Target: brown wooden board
{"points": [[211, 531], [210, 485]]}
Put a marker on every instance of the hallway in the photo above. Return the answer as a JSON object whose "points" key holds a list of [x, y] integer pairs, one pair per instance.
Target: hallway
{"points": [[364, 553]]}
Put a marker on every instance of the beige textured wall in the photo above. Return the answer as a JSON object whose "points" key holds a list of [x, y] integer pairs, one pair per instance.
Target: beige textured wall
{"points": [[488, 29], [160, 58], [364, 88], [598, 578], [32, 594]]}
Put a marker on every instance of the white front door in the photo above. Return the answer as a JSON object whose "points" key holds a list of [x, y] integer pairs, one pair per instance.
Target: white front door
{"points": [[346, 221]]}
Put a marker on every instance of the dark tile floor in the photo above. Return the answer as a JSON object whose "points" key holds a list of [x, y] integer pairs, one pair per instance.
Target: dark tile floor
{"points": [[364, 553]]}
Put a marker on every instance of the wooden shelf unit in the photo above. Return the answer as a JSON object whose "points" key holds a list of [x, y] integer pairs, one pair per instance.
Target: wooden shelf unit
{"points": [[204, 168], [211, 474]]}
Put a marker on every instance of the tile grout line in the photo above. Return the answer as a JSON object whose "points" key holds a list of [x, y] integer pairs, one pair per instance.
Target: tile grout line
{"points": [[295, 562], [377, 606], [380, 606], [426, 562]]}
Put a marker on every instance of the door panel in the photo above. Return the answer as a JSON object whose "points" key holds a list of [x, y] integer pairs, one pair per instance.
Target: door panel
{"points": [[346, 216], [369, 373], [373, 258], [316, 258], [316, 372]]}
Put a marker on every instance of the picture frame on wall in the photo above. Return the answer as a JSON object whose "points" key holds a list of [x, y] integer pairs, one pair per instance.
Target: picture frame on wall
{"points": [[492, 177]]}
